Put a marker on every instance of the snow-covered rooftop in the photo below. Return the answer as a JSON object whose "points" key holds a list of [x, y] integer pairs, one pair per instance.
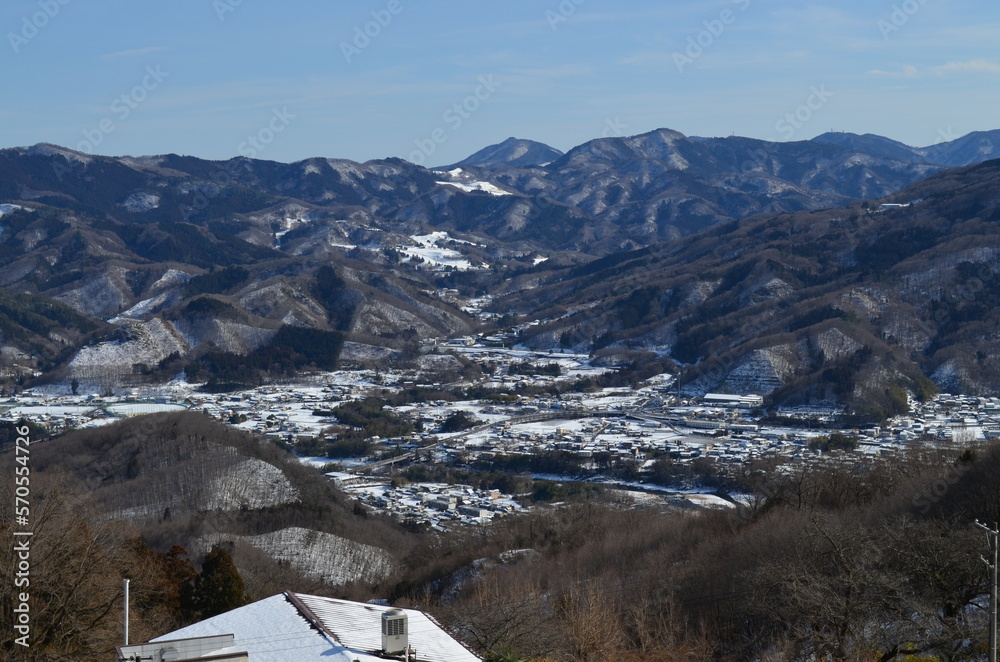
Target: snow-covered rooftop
{"points": [[307, 627]]}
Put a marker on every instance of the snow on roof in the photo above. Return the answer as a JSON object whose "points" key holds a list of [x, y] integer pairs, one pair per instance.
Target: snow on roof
{"points": [[271, 630], [277, 629], [358, 626]]}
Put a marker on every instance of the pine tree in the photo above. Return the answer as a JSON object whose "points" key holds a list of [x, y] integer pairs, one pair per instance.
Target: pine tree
{"points": [[219, 587]]}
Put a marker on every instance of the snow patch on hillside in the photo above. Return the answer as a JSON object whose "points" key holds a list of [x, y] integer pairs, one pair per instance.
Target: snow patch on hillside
{"points": [[251, 484], [374, 317], [360, 352], [279, 299], [346, 168], [8, 208], [768, 290], [699, 291], [834, 344], [141, 202], [148, 342], [485, 187], [143, 308], [438, 363], [172, 278], [430, 250], [105, 295], [949, 376], [223, 335], [460, 179], [864, 302], [761, 371], [319, 555]]}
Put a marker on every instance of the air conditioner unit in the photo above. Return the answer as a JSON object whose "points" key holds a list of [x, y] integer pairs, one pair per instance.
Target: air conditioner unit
{"points": [[394, 631]]}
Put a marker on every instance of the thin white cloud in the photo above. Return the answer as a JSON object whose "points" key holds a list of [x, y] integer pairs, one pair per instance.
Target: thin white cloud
{"points": [[969, 66], [135, 53], [907, 71]]}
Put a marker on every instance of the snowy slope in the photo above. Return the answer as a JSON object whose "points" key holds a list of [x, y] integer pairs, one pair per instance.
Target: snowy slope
{"points": [[325, 556]]}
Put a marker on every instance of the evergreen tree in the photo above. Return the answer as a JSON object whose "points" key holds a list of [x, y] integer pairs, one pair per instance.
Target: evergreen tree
{"points": [[219, 587], [180, 577]]}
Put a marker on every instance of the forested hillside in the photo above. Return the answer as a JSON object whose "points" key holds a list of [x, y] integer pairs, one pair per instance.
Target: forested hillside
{"points": [[149, 499], [842, 305]]}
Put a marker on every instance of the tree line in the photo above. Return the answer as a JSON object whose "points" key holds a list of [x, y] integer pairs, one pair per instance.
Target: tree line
{"points": [[860, 560]]}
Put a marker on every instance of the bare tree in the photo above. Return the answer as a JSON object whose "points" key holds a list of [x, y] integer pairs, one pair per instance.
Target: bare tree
{"points": [[77, 563], [509, 615]]}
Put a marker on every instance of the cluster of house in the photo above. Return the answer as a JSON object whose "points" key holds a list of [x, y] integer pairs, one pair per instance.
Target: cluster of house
{"points": [[602, 428], [718, 427], [286, 412], [438, 506]]}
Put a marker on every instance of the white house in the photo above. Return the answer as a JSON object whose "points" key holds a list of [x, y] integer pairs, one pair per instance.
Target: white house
{"points": [[295, 626]]}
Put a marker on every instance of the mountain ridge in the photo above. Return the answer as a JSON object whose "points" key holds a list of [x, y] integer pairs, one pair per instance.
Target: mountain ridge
{"points": [[971, 148], [201, 261], [839, 305]]}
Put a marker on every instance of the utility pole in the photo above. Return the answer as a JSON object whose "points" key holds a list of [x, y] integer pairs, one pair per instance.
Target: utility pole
{"points": [[125, 583], [992, 535]]}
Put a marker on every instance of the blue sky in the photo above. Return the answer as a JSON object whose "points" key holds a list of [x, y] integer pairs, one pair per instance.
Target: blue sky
{"points": [[433, 81]]}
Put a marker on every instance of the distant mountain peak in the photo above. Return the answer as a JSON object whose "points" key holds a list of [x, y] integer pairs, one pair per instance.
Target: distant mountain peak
{"points": [[870, 143], [49, 149], [513, 152], [972, 148]]}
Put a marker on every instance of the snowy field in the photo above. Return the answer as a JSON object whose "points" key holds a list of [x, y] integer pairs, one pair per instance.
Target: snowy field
{"points": [[428, 247], [469, 184], [53, 411]]}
